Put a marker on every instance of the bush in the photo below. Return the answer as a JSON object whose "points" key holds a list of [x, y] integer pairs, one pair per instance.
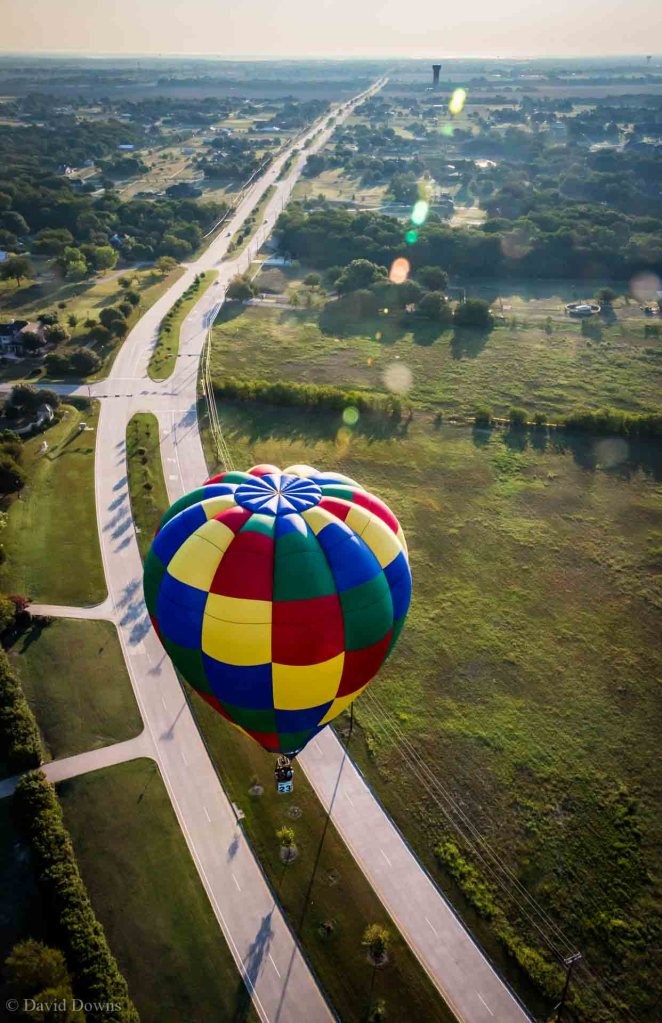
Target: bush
{"points": [[625, 424], [518, 418], [12, 476], [483, 417], [240, 288], [434, 306], [133, 297], [78, 362], [126, 308], [279, 392], [96, 975], [20, 743], [56, 333]]}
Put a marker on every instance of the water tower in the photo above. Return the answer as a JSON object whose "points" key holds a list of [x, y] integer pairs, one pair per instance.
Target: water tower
{"points": [[436, 68]]}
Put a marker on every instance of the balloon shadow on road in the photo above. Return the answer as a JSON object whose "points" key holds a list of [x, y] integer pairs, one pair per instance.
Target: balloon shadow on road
{"points": [[233, 847], [170, 732], [252, 964]]}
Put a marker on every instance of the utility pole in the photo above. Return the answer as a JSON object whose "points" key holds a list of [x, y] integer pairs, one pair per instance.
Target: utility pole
{"points": [[569, 963]]}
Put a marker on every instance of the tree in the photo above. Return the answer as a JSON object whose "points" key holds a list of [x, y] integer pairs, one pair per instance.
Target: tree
{"points": [[72, 263], [404, 187], [12, 476], [165, 264], [31, 341], [103, 257], [7, 614], [473, 313], [432, 277], [240, 288], [434, 306], [360, 273], [312, 280], [14, 222], [517, 418], [113, 319], [286, 836], [25, 398], [31, 967], [376, 940], [16, 268], [56, 333], [606, 296], [72, 320]]}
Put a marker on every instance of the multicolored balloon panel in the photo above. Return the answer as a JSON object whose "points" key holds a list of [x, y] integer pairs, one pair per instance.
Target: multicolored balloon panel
{"points": [[277, 595]]}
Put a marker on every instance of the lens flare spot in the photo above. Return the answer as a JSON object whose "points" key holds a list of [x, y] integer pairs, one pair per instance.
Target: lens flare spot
{"points": [[399, 271], [420, 212], [343, 439], [612, 452], [385, 311], [411, 237], [517, 243], [646, 287], [458, 99], [398, 378], [377, 335], [447, 130], [350, 416]]}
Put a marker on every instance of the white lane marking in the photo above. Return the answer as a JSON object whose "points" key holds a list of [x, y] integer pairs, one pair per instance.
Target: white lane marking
{"points": [[317, 746], [349, 798], [431, 926], [184, 758], [173, 477], [485, 1004], [385, 857], [163, 702], [207, 814], [274, 965], [237, 883]]}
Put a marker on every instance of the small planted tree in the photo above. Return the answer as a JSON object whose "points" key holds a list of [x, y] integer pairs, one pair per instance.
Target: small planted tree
{"points": [[376, 940], [287, 838], [517, 418]]}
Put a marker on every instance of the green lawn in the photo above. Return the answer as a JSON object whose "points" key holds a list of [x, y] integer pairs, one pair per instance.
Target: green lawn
{"points": [[74, 678], [148, 896], [147, 489], [323, 884], [164, 356], [522, 365], [526, 674], [51, 537]]}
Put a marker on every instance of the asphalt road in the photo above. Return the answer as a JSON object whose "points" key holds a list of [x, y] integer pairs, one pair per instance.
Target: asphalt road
{"points": [[282, 985]]}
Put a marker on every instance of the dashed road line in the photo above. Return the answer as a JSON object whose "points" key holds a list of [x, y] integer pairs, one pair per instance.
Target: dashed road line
{"points": [[431, 926], [207, 814], [385, 857], [485, 1004], [274, 965]]}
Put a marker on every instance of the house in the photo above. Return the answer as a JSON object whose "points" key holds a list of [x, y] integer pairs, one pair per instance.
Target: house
{"points": [[12, 336]]}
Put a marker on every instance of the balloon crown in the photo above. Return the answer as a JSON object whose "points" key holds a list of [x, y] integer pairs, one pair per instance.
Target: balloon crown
{"points": [[278, 494]]}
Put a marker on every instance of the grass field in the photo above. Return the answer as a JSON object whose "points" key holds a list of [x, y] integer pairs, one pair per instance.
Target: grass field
{"points": [[84, 299], [323, 884], [164, 356], [74, 678], [525, 676], [51, 538], [547, 372], [147, 489], [148, 896], [335, 885]]}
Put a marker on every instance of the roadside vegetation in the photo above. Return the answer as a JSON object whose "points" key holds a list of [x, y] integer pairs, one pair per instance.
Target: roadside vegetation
{"points": [[147, 489], [50, 540], [243, 236], [164, 356], [96, 975], [138, 855], [324, 895]]}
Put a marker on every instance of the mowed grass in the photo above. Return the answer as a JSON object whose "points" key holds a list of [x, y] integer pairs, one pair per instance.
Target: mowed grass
{"points": [[164, 356], [51, 539], [323, 885], [525, 677], [453, 372], [75, 680], [147, 489], [148, 896]]}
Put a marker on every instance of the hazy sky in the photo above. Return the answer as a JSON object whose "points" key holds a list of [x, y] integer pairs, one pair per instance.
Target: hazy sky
{"points": [[333, 27]]}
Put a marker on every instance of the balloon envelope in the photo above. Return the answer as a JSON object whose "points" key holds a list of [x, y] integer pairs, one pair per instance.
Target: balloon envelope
{"points": [[277, 595]]}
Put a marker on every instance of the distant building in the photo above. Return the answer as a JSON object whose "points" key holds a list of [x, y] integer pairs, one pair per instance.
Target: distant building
{"points": [[12, 334], [126, 147], [436, 69]]}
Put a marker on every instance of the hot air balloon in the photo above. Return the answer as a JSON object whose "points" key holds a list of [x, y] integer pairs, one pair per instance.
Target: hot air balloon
{"points": [[278, 595]]}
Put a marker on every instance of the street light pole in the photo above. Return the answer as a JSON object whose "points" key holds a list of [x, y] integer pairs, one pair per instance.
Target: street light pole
{"points": [[569, 963]]}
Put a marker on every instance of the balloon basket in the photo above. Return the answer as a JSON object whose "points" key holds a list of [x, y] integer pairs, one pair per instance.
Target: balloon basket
{"points": [[284, 775]]}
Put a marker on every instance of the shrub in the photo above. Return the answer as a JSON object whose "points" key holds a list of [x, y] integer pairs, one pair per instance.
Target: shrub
{"points": [[20, 744], [133, 297], [96, 975], [286, 836], [126, 308], [279, 392], [539, 419], [56, 333], [12, 476], [518, 418], [625, 424], [483, 416]]}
